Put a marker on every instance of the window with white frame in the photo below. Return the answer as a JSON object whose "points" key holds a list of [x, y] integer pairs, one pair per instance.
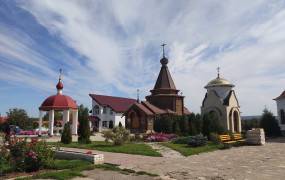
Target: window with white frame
{"points": [[111, 112], [104, 110], [105, 124], [96, 109]]}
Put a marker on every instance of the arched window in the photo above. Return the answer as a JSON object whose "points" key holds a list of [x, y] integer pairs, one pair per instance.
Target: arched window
{"points": [[282, 116], [96, 109]]}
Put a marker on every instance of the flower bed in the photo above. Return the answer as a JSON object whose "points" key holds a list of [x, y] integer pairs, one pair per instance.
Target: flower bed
{"points": [[20, 155], [160, 137]]}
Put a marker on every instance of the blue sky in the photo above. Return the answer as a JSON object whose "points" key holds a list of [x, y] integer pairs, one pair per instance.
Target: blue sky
{"points": [[113, 47]]}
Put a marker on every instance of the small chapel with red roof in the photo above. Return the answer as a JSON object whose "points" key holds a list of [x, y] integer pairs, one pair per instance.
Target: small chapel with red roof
{"points": [[59, 102]]}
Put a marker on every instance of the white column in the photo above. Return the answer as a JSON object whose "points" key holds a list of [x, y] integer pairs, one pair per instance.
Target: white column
{"points": [[74, 121], [40, 122], [239, 123], [65, 117], [51, 121], [233, 122]]}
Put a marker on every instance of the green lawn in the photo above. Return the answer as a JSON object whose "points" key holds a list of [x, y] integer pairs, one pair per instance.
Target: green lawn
{"points": [[63, 170], [68, 169], [129, 148], [185, 150]]}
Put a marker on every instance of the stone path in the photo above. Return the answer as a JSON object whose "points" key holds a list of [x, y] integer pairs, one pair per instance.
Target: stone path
{"points": [[165, 151], [248, 162]]}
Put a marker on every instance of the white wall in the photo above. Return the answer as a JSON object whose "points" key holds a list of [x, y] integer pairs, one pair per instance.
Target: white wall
{"points": [[280, 105], [115, 117]]}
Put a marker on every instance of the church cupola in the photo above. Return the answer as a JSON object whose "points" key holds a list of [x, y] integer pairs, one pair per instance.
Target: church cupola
{"points": [[164, 94], [220, 85], [59, 85]]}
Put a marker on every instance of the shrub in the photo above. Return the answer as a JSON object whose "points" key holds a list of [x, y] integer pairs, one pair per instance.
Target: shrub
{"points": [[84, 128], [214, 137], [24, 156], [66, 137], [181, 140], [118, 135], [198, 140]]}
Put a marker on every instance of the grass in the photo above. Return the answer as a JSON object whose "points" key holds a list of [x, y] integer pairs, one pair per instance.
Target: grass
{"points": [[67, 169], [64, 169], [129, 148], [185, 150], [114, 167]]}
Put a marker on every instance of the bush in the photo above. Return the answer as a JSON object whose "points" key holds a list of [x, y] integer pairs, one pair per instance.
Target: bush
{"points": [[181, 140], [118, 135], [84, 128], [198, 140], [214, 137], [66, 137], [269, 124], [24, 156]]}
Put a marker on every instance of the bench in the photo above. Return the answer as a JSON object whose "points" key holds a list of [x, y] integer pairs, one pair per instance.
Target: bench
{"points": [[238, 137], [226, 139]]}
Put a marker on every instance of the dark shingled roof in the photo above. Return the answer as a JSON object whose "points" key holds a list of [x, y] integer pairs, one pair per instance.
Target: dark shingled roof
{"points": [[282, 96], [153, 108], [118, 104], [164, 80]]}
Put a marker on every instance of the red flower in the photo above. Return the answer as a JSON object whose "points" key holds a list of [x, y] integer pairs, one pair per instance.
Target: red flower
{"points": [[89, 152]]}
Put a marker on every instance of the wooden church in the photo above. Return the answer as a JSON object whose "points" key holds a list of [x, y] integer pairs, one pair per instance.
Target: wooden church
{"points": [[164, 100]]}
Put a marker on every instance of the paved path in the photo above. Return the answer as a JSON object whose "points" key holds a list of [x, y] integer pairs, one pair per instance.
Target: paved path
{"points": [[165, 151], [248, 162]]}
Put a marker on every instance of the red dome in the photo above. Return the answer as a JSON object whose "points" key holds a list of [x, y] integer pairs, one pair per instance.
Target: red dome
{"points": [[58, 102], [59, 85]]}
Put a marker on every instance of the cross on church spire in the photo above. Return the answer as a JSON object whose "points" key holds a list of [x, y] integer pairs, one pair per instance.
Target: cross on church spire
{"points": [[218, 70], [60, 74], [163, 53], [138, 95]]}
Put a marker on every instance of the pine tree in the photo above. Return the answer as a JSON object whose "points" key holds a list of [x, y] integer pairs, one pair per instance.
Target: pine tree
{"points": [[269, 124], [66, 137], [84, 127]]}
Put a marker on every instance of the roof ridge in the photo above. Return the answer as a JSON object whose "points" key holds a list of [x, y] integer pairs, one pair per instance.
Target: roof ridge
{"points": [[110, 96]]}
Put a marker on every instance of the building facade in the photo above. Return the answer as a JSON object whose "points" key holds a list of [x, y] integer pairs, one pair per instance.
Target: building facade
{"points": [[164, 100], [221, 102], [107, 111], [280, 101]]}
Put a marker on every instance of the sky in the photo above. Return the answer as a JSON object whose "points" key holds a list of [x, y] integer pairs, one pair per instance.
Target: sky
{"points": [[113, 48]]}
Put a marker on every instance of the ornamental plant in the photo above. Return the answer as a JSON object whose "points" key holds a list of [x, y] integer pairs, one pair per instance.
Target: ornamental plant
{"points": [[66, 137], [27, 156], [160, 137], [118, 135], [198, 140]]}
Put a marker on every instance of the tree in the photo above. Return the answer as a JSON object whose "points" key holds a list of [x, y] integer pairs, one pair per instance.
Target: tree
{"points": [[84, 127], [211, 124], [19, 117], [184, 125], [66, 137], [269, 123]]}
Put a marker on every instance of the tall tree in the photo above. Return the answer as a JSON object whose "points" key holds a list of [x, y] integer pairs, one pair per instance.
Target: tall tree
{"points": [[84, 127], [269, 123], [19, 117]]}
